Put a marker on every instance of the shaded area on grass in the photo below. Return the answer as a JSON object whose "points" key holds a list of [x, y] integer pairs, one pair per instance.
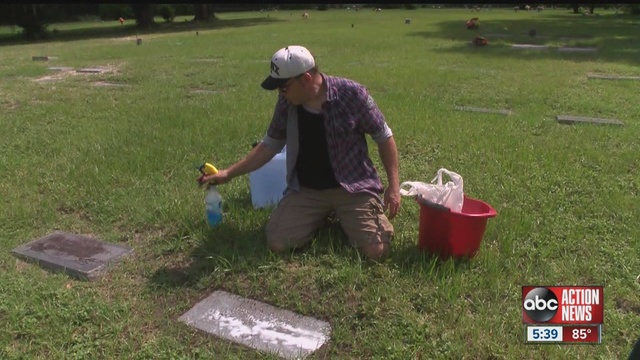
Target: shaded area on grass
{"points": [[131, 30], [228, 252], [613, 36]]}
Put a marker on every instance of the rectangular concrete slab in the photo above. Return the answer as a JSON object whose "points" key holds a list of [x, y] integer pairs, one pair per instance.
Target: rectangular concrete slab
{"points": [[577, 49], [567, 119], [608, 77], [529, 46], [498, 35], [575, 38], [91, 70], [477, 109], [79, 256], [258, 325], [108, 84], [202, 91], [60, 68], [43, 58]]}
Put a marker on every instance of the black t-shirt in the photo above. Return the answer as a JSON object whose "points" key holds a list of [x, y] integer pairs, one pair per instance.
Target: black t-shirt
{"points": [[313, 166]]}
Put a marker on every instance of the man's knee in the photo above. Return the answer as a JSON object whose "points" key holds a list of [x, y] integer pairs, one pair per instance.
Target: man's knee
{"points": [[375, 251], [276, 247], [277, 241], [274, 241]]}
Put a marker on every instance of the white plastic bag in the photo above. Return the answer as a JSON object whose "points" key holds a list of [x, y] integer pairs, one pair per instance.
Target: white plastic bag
{"points": [[449, 194]]}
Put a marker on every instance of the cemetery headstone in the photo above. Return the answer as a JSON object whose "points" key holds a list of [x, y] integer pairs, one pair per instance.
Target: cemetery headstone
{"points": [[79, 256], [258, 325]]}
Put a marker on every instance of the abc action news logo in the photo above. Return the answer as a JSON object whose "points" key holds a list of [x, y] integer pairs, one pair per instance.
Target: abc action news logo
{"points": [[562, 304]]}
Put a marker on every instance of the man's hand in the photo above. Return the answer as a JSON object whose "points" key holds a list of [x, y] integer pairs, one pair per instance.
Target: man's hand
{"points": [[221, 177], [392, 201]]}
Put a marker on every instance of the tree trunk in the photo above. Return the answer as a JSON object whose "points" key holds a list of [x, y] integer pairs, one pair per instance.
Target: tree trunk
{"points": [[591, 8], [203, 12], [27, 17], [575, 8], [143, 14]]}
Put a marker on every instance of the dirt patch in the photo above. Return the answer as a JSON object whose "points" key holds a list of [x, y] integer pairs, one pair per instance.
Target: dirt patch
{"points": [[108, 84], [205, 91], [208, 59], [134, 38], [66, 72], [54, 77], [8, 104], [628, 306], [21, 266]]}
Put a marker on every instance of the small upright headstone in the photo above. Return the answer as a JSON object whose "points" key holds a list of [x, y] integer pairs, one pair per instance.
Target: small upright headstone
{"points": [[407, 21], [138, 41], [78, 256]]}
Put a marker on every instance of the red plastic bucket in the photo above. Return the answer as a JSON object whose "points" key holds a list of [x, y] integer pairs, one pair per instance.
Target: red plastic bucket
{"points": [[453, 234]]}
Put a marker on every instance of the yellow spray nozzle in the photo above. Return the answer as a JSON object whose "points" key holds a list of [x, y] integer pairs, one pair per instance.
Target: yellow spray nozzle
{"points": [[208, 169]]}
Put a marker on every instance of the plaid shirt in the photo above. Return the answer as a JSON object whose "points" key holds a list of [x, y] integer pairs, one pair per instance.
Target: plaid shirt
{"points": [[349, 113]]}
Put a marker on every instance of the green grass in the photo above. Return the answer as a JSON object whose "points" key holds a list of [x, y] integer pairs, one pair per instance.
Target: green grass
{"points": [[119, 164]]}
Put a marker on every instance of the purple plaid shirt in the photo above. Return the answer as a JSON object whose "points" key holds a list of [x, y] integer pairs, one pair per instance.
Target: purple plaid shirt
{"points": [[349, 113]]}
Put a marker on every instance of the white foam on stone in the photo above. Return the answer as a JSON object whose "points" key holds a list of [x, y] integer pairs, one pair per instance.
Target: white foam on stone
{"points": [[258, 325], [271, 332]]}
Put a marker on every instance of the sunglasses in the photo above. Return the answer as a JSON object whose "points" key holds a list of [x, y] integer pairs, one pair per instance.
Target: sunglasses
{"points": [[286, 85]]}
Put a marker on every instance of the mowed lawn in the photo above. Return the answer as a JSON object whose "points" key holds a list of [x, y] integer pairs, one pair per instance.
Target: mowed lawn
{"points": [[118, 163]]}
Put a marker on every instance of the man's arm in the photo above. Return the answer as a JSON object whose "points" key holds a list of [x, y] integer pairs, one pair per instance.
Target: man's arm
{"points": [[255, 159], [389, 157]]}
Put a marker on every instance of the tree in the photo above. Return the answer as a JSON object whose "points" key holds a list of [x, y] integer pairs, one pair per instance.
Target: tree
{"points": [[576, 8], [115, 11], [143, 13], [203, 12], [32, 18], [167, 12]]}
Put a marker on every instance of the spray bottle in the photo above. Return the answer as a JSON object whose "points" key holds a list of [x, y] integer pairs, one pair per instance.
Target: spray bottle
{"points": [[213, 200]]}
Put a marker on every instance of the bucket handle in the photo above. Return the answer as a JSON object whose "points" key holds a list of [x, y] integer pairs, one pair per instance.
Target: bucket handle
{"points": [[430, 204]]}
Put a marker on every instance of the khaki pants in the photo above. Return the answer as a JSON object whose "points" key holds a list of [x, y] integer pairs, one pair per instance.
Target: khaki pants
{"points": [[298, 216]]}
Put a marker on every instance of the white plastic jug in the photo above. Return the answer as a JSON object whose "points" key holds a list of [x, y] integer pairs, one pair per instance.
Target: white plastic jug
{"points": [[269, 182]]}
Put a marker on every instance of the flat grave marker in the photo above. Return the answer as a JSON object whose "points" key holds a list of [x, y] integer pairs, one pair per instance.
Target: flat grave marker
{"points": [[91, 70], [567, 119], [108, 84], [577, 49], [484, 110], [258, 325], [529, 46], [43, 58], [79, 256], [60, 68], [611, 77]]}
